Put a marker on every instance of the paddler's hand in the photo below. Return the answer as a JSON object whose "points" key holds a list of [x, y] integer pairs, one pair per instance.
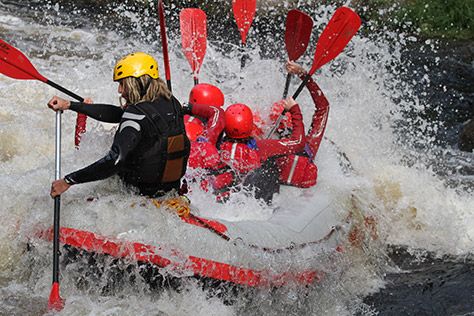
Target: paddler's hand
{"points": [[88, 101], [294, 68], [59, 187], [57, 103], [289, 103]]}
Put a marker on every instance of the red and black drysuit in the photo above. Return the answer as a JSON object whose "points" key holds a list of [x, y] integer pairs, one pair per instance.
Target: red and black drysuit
{"points": [[298, 169], [139, 150]]}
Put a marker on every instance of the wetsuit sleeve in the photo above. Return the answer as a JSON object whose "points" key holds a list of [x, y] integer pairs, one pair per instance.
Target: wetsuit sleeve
{"points": [[285, 146], [102, 112], [215, 121], [320, 116], [125, 141]]}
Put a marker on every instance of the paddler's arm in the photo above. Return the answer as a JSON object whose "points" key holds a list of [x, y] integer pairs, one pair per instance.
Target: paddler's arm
{"points": [[321, 112], [99, 170], [285, 146], [215, 120], [102, 112], [125, 141], [319, 99]]}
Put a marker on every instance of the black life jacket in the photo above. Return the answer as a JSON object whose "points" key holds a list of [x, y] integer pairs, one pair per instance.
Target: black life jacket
{"points": [[163, 155]]}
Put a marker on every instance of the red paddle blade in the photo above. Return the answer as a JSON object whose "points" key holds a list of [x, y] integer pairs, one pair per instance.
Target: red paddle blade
{"points": [[193, 24], [164, 42], [339, 31], [244, 12], [15, 65], [56, 303], [298, 31]]}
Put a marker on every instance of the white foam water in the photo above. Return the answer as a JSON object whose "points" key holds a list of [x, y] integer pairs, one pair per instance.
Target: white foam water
{"points": [[410, 204]]}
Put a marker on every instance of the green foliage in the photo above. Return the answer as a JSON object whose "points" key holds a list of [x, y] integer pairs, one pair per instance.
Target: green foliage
{"points": [[452, 18], [437, 17]]}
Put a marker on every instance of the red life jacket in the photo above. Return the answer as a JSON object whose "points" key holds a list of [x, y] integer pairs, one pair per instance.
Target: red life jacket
{"points": [[203, 155], [240, 157], [298, 171], [236, 158]]}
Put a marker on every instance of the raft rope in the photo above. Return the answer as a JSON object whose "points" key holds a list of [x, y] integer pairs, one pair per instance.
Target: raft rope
{"points": [[180, 205]]}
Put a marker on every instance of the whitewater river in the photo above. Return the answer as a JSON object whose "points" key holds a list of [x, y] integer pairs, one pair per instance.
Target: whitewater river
{"points": [[381, 159]]}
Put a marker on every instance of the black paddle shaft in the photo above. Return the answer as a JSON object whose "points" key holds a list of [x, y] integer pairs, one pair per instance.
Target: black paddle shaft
{"points": [[300, 88], [287, 86], [64, 90], [295, 95]]}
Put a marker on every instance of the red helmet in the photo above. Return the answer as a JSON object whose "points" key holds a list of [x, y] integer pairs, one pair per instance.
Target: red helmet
{"points": [[204, 93], [238, 121], [275, 111]]}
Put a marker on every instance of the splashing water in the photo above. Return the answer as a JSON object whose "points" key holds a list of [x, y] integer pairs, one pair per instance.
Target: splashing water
{"points": [[377, 161]]}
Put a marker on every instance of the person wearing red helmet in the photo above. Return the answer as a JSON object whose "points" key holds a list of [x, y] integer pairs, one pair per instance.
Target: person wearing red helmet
{"points": [[252, 162], [204, 124], [202, 93], [299, 169]]}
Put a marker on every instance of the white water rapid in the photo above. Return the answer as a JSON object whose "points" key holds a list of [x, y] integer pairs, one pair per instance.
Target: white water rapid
{"points": [[388, 179]]}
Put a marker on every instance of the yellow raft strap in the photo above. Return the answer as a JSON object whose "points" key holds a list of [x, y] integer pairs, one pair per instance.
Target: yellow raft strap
{"points": [[180, 205]]}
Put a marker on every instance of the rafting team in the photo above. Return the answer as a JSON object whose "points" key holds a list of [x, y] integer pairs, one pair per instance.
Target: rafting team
{"points": [[158, 138]]}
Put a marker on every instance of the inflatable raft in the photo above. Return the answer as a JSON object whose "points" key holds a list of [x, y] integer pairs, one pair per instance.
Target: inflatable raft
{"points": [[282, 250]]}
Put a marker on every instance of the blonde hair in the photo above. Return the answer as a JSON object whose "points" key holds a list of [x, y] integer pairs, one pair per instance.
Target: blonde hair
{"points": [[156, 89]]}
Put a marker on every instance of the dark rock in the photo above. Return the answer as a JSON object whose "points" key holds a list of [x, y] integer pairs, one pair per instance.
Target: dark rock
{"points": [[466, 140]]}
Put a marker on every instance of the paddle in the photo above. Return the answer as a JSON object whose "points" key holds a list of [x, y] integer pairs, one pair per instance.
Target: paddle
{"points": [[193, 24], [244, 12], [56, 303], [14, 64], [164, 43], [206, 225], [334, 38], [297, 34]]}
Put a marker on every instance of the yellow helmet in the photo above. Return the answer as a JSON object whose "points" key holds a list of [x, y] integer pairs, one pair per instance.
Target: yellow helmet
{"points": [[136, 65]]}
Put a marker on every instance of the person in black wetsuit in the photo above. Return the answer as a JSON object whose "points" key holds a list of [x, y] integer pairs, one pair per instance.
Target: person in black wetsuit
{"points": [[150, 149]]}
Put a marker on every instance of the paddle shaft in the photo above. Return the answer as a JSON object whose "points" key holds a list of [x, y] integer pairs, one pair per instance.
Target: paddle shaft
{"points": [[57, 200], [287, 86], [206, 225], [164, 43], [244, 57], [295, 95], [64, 90], [56, 303], [32, 72]]}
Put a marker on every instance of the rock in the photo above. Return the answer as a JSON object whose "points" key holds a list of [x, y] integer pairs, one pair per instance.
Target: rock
{"points": [[466, 140]]}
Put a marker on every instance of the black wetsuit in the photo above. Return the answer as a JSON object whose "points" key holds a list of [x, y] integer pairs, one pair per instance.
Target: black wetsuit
{"points": [[129, 156]]}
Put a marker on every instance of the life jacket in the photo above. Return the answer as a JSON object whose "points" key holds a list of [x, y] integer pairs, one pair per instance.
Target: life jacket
{"points": [[240, 157], [203, 155], [163, 155], [297, 170], [237, 159], [241, 164]]}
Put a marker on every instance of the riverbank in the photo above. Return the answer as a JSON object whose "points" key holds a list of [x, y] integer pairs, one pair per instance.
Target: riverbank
{"points": [[450, 19]]}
